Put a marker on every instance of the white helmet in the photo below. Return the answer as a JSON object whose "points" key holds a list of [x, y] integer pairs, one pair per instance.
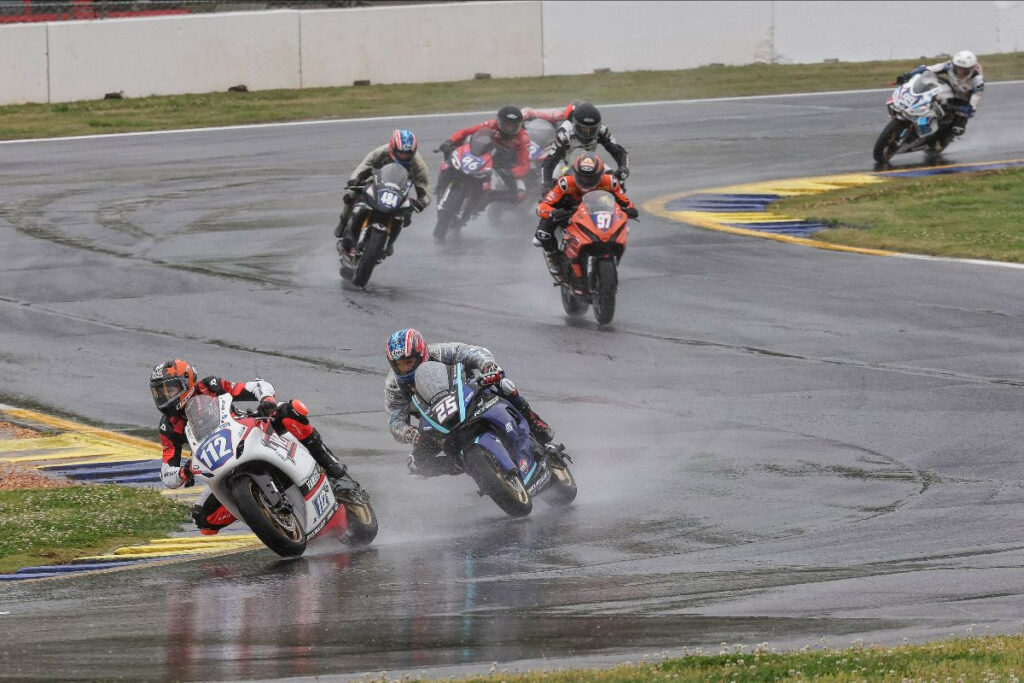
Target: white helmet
{"points": [[963, 64]]}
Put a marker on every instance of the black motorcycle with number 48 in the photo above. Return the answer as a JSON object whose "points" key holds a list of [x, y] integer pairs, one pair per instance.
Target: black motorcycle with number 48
{"points": [[379, 212]]}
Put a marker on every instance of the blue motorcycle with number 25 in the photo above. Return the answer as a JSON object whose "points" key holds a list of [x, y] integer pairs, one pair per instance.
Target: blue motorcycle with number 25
{"points": [[491, 440]]}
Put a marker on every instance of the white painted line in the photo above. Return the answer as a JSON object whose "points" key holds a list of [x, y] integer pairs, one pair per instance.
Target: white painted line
{"points": [[489, 112]]}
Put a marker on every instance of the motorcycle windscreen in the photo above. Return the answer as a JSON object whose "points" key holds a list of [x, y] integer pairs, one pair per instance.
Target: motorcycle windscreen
{"points": [[925, 82], [482, 142], [601, 207], [394, 174], [203, 415]]}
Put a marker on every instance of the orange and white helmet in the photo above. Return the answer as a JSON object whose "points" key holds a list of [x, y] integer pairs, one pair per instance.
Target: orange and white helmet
{"points": [[172, 384]]}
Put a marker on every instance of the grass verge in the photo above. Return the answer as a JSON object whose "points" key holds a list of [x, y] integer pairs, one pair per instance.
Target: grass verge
{"points": [[54, 526], [975, 215], [223, 109], [988, 658]]}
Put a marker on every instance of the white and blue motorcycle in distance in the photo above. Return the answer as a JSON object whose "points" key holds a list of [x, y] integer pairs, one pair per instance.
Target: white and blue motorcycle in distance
{"points": [[270, 481], [921, 115], [378, 213], [491, 440]]}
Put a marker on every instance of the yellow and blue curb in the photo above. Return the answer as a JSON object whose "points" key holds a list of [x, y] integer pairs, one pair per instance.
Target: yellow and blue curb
{"points": [[743, 209], [94, 455]]}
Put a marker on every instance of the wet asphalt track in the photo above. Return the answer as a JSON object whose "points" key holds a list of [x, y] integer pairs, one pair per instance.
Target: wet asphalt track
{"points": [[774, 444]]}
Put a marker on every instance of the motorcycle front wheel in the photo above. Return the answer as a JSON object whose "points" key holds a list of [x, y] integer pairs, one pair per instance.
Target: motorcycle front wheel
{"points": [[889, 140], [447, 214], [372, 252], [606, 284], [280, 530], [504, 488]]}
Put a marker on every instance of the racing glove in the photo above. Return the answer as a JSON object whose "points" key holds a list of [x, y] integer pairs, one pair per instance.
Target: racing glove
{"points": [[267, 407], [631, 211], [491, 373], [176, 477], [446, 148], [621, 173], [417, 204], [412, 436]]}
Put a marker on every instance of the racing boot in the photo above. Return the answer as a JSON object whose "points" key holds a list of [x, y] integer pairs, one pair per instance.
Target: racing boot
{"points": [[554, 259], [314, 443], [538, 427]]}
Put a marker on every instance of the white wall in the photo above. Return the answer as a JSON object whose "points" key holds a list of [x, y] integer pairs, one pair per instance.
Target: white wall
{"points": [[168, 55], [868, 31], [23, 64], [420, 43], [1010, 26], [626, 36], [83, 60]]}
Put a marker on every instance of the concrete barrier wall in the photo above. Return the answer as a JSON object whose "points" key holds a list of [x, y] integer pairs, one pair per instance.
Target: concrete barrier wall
{"points": [[421, 43], [23, 64], [585, 35], [868, 31], [168, 55], [67, 61]]}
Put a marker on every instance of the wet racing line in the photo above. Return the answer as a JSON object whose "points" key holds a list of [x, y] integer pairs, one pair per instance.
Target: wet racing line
{"points": [[89, 454], [743, 209]]}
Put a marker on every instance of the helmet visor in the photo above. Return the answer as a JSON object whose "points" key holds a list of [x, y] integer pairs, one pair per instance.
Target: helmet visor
{"points": [[406, 364], [586, 131], [961, 72], [510, 127], [167, 392], [403, 155]]}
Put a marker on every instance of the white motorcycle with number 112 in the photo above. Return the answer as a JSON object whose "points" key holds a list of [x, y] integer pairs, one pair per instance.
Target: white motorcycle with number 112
{"points": [[270, 481]]}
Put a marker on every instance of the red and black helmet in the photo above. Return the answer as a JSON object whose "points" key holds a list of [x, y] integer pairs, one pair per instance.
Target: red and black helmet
{"points": [[172, 384]]}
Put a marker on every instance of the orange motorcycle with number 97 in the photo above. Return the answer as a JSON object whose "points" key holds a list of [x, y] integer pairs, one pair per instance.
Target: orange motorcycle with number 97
{"points": [[592, 246]]}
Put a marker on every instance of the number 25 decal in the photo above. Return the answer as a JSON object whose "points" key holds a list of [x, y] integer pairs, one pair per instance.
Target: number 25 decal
{"points": [[446, 408]]}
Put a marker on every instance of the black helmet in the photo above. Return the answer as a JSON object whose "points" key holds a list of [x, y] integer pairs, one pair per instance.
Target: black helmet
{"points": [[510, 121], [586, 121]]}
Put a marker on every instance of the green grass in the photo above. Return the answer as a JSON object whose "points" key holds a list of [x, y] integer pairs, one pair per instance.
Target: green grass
{"points": [[219, 109], [53, 526], [986, 659], [976, 215]]}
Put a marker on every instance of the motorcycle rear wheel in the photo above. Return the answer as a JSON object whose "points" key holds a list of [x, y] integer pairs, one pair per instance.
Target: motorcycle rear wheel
{"points": [[606, 284], [279, 531], [888, 140], [372, 251], [504, 488], [574, 306], [362, 520]]}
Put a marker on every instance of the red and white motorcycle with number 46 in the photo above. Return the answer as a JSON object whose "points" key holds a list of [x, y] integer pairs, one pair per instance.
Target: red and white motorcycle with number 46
{"points": [[270, 481]]}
